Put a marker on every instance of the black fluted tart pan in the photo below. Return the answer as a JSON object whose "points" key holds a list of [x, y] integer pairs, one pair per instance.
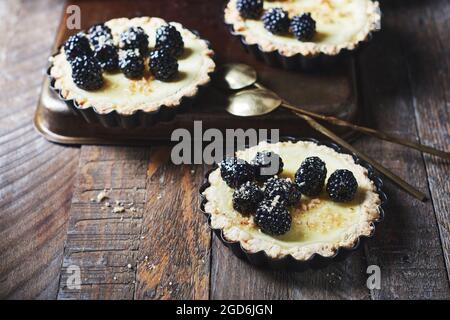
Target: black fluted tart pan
{"points": [[298, 62], [288, 262], [139, 118]]}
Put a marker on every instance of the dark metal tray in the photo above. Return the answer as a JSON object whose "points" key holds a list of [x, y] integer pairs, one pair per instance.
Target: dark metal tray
{"points": [[331, 92]]}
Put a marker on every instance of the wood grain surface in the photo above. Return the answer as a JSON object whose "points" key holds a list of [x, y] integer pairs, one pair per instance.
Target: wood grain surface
{"points": [[36, 177], [428, 73], [159, 247], [407, 246]]}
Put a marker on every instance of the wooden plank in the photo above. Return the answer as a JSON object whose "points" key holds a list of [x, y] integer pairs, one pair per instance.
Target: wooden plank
{"points": [[429, 75], [36, 177], [157, 249], [407, 246], [101, 242], [232, 278], [174, 252]]}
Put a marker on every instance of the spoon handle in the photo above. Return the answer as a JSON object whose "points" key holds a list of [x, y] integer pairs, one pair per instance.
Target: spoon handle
{"points": [[386, 172], [371, 132]]}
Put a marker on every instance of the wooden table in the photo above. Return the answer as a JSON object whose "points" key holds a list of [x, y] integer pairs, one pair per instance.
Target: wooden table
{"points": [[48, 221]]}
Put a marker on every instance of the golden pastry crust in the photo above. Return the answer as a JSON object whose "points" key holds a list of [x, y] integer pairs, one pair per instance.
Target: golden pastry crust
{"points": [[308, 49], [103, 101], [238, 228]]}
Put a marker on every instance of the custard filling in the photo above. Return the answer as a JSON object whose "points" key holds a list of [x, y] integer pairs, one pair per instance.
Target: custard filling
{"points": [[340, 24], [337, 21]]}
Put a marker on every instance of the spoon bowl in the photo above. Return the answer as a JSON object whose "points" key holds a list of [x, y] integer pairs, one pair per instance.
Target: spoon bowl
{"points": [[236, 76], [253, 102]]}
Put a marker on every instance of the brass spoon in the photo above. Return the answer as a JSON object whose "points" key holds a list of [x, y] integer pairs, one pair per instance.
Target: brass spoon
{"points": [[237, 76], [242, 101]]}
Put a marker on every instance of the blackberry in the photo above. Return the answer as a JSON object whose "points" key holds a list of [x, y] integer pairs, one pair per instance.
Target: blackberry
{"points": [[76, 46], [163, 65], [131, 63], [236, 171], [311, 175], [100, 34], [251, 9], [262, 163], [169, 38], [342, 185], [287, 191], [87, 73], [107, 56], [276, 20], [247, 197], [134, 38], [303, 27], [273, 218]]}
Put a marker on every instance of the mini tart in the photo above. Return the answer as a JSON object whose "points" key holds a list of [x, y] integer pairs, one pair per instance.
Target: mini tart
{"points": [[319, 225], [341, 25], [126, 96]]}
